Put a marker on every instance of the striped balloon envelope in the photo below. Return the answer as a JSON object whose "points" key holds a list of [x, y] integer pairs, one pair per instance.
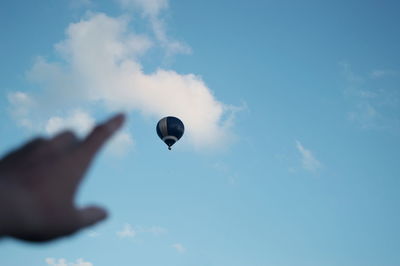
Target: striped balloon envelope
{"points": [[170, 129]]}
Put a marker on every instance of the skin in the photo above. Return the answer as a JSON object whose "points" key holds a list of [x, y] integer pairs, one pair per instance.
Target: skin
{"points": [[39, 181]]}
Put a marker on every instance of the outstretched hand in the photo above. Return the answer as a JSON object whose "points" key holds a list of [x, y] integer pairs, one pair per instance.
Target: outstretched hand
{"points": [[38, 183]]}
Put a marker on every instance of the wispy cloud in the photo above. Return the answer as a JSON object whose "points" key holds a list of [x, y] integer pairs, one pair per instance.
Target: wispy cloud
{"points": [[130, 231], [151, 9], [374, 98], [179, 248], [381, 73], [127, 232], [154, 230], [101, 70], [148, 7], [93, 234], [308, 160], [64, 262], [81, 3], [227, 172]]}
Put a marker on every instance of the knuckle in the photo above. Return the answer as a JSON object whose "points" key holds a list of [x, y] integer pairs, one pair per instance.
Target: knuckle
{"points": [[69, 134], [36, 142], [63, 139], [51, 146], [101, 129]]}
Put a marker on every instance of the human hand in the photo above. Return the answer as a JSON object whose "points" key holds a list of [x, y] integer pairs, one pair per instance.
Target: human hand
{"points": [[38, 183]]}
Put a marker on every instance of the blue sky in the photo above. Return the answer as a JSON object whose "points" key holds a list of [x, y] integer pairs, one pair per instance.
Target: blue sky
{"points": [[293, 122]]}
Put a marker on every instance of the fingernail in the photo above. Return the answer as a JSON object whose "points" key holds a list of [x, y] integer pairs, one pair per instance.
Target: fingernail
{"points": [[116, 122]]}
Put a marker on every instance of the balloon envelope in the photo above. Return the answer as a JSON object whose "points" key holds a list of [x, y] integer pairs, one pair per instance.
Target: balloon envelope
{"points": [[170, 129]]}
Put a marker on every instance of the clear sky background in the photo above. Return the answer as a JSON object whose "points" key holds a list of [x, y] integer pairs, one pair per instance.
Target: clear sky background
{"points": [[292, 114]]}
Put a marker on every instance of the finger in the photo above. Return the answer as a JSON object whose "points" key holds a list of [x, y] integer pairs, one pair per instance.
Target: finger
{"points": [[25, 149], [91, 215], [100, 134], [33, 144], [64, 140]]}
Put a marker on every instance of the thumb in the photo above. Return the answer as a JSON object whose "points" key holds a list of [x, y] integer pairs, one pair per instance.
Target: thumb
{"points": [[91, 215]]}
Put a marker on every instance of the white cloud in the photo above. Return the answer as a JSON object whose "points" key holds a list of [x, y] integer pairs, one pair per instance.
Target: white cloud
{"points": [[120, 144], [22, 100], [78, 121], [102, 68], [127, 232], [179, 248], [64, 262], [21, 104], [308, 161]]}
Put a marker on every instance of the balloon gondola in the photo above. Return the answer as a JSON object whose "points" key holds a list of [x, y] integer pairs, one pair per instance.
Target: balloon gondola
{"points": [[170, 129]]}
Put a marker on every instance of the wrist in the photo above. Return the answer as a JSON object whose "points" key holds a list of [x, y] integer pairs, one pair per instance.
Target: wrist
{"points": [[4, 221], [6, 212]]}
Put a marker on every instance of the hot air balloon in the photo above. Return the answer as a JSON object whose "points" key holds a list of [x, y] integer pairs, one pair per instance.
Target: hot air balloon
{"points": [[170, 129]]}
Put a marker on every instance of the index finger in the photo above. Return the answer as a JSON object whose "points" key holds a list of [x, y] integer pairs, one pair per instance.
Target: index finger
{"points": [[99, 136]]}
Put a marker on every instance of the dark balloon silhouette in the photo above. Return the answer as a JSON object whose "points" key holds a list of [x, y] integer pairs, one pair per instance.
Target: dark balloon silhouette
{"points": [[170, 129]]}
